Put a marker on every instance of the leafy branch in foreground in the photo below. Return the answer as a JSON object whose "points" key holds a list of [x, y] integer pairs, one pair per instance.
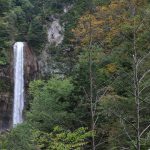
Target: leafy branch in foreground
{"points": [[61, 139]]}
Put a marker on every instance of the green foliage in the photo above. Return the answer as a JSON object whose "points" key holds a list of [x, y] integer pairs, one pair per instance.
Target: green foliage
{"points": [[4, 34], [4, 5], [26, 137], [35, 32], [101, 2], [61, 139], [20, 138], [49, 104], [3, 141], [97, 33], [145, 142]]}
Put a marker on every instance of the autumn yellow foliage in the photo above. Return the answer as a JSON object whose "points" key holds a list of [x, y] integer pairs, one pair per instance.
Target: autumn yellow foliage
{"points": [[102, 24], [111, 68], [106, 23]]}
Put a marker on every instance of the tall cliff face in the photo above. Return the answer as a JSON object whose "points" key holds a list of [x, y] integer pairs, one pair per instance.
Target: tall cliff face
{"points": [[7, 82], [5, 98], [55, 37], [30, 64]]}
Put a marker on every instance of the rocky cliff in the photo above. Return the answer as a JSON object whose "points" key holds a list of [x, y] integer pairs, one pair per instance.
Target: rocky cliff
{"points": [[5, 98], [6, 81], [34, 66]]}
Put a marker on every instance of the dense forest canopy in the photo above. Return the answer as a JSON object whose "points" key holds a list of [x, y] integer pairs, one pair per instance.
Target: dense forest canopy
{"points": [[100, 101]]}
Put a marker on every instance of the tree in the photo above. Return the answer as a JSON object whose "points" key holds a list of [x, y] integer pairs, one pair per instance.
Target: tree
{"points": [[138, 78], [49, 104]]}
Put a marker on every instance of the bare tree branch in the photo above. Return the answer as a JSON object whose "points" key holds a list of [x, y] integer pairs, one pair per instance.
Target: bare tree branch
{"points": [[100, 143], [128, 135], [124, 119], [143, 76], [141, 61], [144, 130], [143, 89]]}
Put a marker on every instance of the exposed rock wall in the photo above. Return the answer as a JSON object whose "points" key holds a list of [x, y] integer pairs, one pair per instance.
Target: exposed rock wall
{"points": [[5, 111], [30, 64], [5, 98], [55, 32]]}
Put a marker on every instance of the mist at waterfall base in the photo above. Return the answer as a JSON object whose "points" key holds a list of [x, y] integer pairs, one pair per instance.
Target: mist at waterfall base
{"points": [[18, 103]]}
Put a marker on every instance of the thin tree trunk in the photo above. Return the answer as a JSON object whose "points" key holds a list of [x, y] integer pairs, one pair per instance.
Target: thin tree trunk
{"points": [[91, 90], [91, 101], [136, 87], [137, 101]]}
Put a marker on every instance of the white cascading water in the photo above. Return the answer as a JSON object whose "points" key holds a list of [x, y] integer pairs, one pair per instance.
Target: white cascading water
{"points": [[18, 104]]}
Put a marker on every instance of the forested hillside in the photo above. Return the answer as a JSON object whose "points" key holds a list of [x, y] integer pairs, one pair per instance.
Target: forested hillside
{"points": [[92, 89]]}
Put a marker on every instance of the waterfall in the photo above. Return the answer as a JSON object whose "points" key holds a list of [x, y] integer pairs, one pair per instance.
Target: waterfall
{"points": [[18, 104]]}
